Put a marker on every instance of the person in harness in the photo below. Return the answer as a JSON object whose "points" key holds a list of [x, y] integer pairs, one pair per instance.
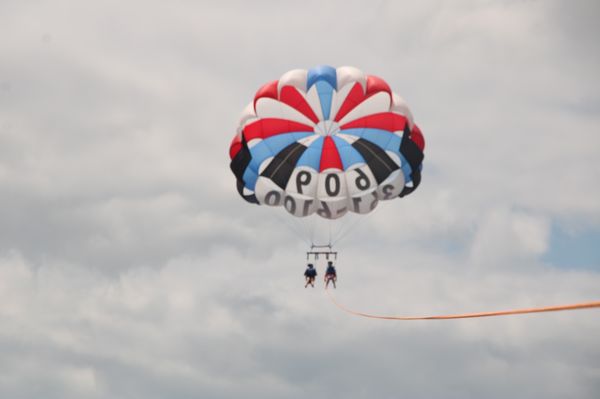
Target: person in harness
{"points": [[310, 273], [330, 275]]}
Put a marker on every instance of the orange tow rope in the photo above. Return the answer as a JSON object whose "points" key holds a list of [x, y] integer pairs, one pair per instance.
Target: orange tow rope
{"points": [[585, 305]]}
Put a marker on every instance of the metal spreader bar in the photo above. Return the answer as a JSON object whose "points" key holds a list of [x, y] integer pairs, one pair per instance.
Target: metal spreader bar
{"points": [[323, 250]]}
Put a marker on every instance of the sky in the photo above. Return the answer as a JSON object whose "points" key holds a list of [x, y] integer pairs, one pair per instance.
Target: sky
{"points": [[131, 268]]}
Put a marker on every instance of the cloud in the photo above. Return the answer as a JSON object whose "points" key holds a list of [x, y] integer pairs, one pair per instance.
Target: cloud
{"points": [[503, 236], [190, 328], [129, 266]]}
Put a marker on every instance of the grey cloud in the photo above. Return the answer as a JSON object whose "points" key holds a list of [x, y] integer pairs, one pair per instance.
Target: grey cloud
{"points": [[179, 331], [129, 266]]}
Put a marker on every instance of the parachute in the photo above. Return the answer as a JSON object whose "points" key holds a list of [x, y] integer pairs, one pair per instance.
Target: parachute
{"points": [[326, 141], [329, 142]]}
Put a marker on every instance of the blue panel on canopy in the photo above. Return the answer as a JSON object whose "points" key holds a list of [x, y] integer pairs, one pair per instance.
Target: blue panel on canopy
{"points": [[406, 169], [324, 73], [325, 91], [269, 147], [376, 136], [348, 153], [312, 155], [250, 177]]}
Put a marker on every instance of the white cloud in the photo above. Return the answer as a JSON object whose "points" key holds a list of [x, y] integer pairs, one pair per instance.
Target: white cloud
{"points": [[192, 324], [129, 267], [503, 236]]}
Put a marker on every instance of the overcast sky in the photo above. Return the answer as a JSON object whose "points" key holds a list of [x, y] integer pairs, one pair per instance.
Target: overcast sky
{"points": [[131, 268]]}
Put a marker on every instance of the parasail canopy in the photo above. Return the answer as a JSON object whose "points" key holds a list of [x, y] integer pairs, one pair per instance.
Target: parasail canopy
{"points": [[326, 141]]}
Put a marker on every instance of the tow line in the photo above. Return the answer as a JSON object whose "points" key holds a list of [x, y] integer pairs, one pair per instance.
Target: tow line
{"points": [[584, 305]]}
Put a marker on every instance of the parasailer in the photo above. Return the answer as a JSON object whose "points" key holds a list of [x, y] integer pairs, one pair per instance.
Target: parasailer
{"points": [[330, 275], [310, 274]]}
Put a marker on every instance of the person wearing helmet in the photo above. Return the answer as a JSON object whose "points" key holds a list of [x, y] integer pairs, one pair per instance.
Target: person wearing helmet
{"points": [[310, 273], [330, 275]]}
